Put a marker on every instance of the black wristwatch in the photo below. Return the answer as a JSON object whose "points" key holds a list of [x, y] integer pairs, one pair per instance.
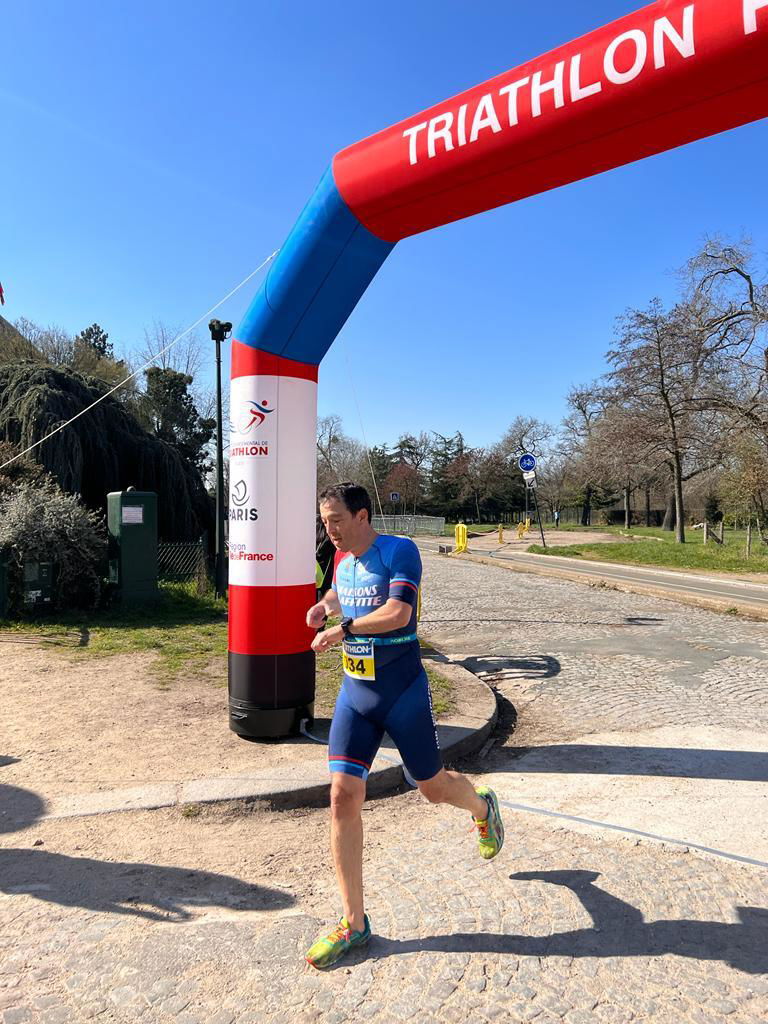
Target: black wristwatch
{"points": [[345, 626]]}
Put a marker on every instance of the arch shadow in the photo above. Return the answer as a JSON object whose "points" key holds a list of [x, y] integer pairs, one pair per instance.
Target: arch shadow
{"points": [[619, 930]]}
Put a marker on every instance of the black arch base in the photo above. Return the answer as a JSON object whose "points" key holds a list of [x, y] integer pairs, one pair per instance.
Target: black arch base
{"points": [[270, 694]]}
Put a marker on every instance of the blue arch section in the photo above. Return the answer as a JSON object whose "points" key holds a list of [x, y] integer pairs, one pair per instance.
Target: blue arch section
{"points": [[317, 279]]}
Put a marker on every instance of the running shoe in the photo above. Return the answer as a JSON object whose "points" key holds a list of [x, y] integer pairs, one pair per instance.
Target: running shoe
{"points": [[336, 944], [490, 837]]}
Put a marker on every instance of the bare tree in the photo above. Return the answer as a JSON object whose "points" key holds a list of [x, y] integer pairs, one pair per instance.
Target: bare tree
{"points": [[621, 451], [527, 434], [188, 355], [587, 404], [680, 370], [338, 457], [55, 345]]}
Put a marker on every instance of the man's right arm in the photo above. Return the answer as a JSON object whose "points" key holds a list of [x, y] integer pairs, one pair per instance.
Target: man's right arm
{"points": [[327, 605]]}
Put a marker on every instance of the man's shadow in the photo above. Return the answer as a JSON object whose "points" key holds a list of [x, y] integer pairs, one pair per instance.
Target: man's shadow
{"points": [[619, 929], [140, 890], [534, 666]]}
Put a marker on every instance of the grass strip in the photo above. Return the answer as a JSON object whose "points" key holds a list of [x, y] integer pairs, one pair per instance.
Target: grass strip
{"points": [[188, 632], [654, 548]]}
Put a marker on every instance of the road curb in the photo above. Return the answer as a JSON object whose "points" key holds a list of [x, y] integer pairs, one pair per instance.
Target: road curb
{"points": [[301, 785], [724, 607]]}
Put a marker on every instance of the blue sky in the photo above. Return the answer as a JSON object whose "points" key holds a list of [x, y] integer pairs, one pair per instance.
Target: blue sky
{"points": [[154, 154]]}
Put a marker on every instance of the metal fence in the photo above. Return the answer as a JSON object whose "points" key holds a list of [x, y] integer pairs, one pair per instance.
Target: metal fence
{"points": [[410, 526], [182, 560]]}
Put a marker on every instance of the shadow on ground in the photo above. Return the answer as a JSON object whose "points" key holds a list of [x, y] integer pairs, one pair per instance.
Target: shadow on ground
{"points": [[534, 666], [667, 762], [619, 930], [150, 891]]}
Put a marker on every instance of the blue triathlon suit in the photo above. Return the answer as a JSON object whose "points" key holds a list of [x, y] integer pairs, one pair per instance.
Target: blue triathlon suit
{"points": [[385, 687]]}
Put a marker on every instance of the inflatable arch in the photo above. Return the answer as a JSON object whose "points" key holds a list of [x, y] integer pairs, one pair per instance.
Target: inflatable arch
{"points": [[664, 76]]}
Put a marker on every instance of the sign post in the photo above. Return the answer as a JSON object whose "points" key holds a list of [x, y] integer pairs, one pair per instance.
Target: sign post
{"points": [[527, 464]]}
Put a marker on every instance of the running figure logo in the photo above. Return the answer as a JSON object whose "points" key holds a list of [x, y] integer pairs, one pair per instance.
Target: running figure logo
{"points": [[255, 416]]}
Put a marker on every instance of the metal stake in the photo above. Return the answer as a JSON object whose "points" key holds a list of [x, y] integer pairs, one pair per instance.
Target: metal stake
{"points": [[219, 332]]}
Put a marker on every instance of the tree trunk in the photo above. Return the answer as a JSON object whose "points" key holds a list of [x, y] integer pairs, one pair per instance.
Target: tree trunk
{"points": [[647, 506], [586, 509], [627, 509], [669, 514], [679, 509]]}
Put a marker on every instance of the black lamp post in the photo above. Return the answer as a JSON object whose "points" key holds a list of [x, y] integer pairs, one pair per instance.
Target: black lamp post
{"points": [[219, 332]]}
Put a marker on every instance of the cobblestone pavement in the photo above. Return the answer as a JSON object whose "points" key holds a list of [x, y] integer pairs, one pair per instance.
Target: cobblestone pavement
{"points": [[599, 657], [161, 917], [630, 709]]}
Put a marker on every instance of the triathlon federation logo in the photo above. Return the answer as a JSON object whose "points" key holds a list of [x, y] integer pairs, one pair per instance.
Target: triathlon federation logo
{"points": [[254, 415]]}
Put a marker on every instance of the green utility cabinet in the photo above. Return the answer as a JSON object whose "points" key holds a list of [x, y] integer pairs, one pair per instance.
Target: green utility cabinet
{"points": [[132, 525], [39, 581]]}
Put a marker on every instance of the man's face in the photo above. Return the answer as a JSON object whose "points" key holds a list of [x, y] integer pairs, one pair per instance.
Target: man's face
{"points": [[342, 526]]}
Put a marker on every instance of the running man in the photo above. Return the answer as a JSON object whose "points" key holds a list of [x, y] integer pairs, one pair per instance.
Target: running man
{"points": [[385, 689]]}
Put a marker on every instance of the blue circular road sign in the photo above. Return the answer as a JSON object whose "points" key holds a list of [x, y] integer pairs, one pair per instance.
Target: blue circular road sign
{"points": [[527, 463]]}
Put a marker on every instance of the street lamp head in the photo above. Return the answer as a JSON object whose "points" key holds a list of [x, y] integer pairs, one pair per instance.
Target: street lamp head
{"points": [[219, 331]]}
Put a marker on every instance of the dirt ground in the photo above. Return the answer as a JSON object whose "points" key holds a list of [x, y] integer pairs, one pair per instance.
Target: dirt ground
{"points": [[284, 850], [75, 725], [555, 539], [72, 725]]}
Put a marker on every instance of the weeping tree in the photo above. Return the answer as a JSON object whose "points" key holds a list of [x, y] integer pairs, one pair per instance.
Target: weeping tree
{"points": [[20, 470], [104, 450]]}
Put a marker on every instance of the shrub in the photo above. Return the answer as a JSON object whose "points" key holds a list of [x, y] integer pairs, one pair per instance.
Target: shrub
{"points": [[41, 523]]}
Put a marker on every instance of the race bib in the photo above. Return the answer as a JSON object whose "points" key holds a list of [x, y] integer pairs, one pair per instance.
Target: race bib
{"points": [[357, 657]]}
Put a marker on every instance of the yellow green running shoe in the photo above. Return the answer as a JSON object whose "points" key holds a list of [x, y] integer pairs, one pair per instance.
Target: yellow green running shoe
{"points": [[490, 836], [334, 946]]}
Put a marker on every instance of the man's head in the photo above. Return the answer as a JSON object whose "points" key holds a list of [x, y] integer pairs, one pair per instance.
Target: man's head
{"points": [[346, 513]]}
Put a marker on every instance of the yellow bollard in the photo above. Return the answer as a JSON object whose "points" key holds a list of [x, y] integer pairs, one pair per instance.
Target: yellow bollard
{"points": [[520, 530], [461, 538], [501, 533]]}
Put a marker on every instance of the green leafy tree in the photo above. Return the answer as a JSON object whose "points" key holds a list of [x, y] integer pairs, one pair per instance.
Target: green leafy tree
{"points": [[444, 487], [173, 417], [96, 340], [381, 461]]}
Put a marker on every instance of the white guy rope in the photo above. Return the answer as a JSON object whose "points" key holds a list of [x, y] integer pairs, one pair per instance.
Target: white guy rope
{"points": [[148, 363], [362, 429]]}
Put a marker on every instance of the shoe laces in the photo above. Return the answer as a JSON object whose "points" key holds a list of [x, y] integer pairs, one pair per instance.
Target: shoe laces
{"points": [[482, 828], [340, 932]]}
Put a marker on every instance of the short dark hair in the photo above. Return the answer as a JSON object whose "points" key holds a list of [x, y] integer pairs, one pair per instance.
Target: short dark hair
{"points": [[353, 496]]}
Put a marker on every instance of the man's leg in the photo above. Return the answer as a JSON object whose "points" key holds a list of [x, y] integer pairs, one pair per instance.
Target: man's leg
{"points": [[411, 725], [455, 789], [347, 797]]}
